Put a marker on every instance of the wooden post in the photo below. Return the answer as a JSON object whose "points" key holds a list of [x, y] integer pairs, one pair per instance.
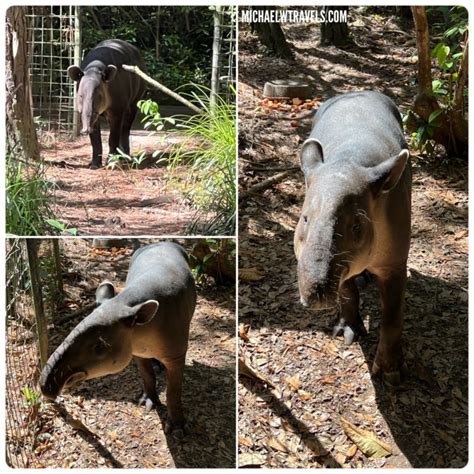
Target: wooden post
{"points": [[41, 323]]}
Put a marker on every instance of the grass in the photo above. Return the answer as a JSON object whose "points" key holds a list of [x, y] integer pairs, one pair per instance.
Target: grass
{"points": [[210, 184], [27, 198]]}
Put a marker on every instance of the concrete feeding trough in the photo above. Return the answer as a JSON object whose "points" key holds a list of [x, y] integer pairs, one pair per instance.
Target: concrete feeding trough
{"points": [[287, 89]]}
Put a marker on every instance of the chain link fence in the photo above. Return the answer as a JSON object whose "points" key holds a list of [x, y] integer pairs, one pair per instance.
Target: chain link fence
{"points": [[33, 289]]}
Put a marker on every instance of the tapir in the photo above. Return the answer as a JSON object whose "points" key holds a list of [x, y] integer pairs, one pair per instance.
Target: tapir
{"points": [[356, 217], [149, 319], [105, 88]]}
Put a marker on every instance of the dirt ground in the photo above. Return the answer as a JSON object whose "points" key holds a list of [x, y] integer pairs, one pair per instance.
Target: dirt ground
{"points": [[118, 201], [118, 432], [315, 382]]}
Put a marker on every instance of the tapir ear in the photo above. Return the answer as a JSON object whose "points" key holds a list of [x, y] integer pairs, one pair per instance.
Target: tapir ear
{"points": [[387, 174], [143, 313], [75, 73], [109, 73], [311, 155], [104, 292]]}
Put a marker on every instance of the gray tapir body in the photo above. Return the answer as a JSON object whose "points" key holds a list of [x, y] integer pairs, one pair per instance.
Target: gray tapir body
{"points": [[356, 216], [104, 88], [148, 320]]}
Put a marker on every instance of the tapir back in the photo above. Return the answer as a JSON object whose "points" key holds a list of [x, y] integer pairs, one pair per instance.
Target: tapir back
{"points": [[364, 127]]}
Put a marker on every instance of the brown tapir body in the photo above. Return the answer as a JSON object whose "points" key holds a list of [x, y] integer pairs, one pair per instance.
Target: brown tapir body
{"points": [[148, 320], [356, 216]]}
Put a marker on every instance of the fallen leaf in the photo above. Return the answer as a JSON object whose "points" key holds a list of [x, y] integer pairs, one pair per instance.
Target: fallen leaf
{"points": [[366, 441], [294, 123], [294, 382], [297, 101], [276, 444], [250, 274], [244, 332], [243, 441], [304, 395], [351, 452], [251, 459]]}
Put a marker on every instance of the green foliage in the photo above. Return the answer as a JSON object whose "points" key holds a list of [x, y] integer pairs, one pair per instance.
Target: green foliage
{"points": [[61, 227], [152, 118], [448, 52], [422, 137], [175, 41], [208, 255], [31, 397], [210, 184], [122, 160], [27, 198], [451, 24]]}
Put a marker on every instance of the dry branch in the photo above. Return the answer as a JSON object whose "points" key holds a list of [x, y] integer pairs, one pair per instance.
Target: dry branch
{"points": [[265, 183], [136, 70]]}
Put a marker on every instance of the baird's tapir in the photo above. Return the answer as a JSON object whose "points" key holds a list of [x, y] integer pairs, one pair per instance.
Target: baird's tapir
{"points": [[356, 217], [104, 88], [149, 319]]}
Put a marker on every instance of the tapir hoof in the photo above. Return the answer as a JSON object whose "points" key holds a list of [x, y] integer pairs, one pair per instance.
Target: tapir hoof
{"points": [[350, 332], [177, 430], [390, 376], [148, 402], [95, 166]]}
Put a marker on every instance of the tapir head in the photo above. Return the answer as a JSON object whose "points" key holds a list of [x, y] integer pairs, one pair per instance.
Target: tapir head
{"points": [[92, 96], [334, 235], [99, 345]]}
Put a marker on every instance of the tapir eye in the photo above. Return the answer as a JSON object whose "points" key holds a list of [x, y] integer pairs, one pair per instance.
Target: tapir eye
{"points": [[356, 229]]}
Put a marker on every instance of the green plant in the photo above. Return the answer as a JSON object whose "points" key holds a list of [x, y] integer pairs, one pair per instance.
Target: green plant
{"points": [[422, 137], [121, 160], [60, 226], [210, 184], [31, 397], [27, 198], [152, 117], [442, 111], [211, 181]]}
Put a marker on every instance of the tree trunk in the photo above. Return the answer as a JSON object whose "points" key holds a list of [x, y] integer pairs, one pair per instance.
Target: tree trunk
{"points": [[334, 33], [157, 33], [20, 129], [452, 131], [216, 54], [271, 35]]}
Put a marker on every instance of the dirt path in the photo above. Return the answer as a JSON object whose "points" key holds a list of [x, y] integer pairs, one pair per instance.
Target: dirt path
{"points": [[317, 379], [125, 434], [118, 202]]}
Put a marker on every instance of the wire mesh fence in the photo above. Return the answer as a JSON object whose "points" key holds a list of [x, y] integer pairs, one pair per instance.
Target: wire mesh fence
{"points": [[33, 287], [229, 69], [54, 42]]}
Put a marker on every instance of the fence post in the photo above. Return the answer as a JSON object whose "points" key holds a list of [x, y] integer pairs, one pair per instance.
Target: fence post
{"points": [[41, 323], [57, 267]]}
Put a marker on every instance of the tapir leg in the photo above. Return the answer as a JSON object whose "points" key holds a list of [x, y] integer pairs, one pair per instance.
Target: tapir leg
{"points": [[115, 122], [149, 397], [96, 142], [127, 123], [389, 356], [174, 384], [350, 323]]}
